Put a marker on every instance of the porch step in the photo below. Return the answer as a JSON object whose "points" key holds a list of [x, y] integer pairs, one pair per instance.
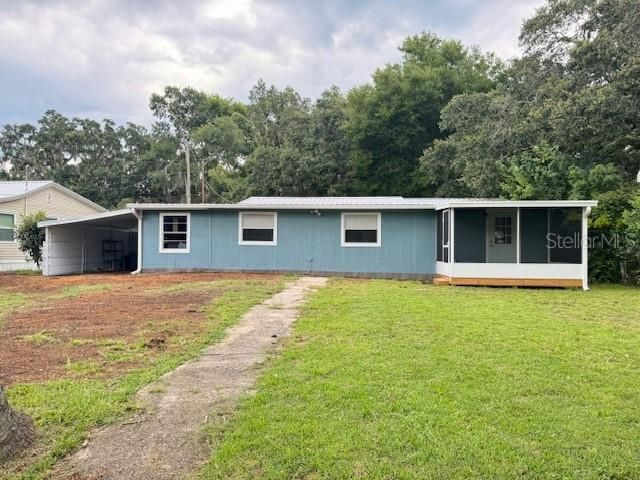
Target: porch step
{"points": [[441, 280]]}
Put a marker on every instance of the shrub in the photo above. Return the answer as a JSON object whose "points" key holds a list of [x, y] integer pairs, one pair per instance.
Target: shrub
{"points": [[30, 237]]}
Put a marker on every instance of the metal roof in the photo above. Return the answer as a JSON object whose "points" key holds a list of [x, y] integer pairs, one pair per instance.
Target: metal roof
{"points": [[361, 203], [18, 187], [314, 201], [118, 217]]}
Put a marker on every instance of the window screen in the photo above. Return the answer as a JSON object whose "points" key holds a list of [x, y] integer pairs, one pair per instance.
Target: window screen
{"points": [[361, 228], [534, 225], [565, 227], [257, 227], [175, 232], [6, 227], [443, 236]]}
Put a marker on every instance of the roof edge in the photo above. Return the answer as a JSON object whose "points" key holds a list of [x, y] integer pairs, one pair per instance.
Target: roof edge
{"points": [[60, 188], [449, 203], [85, 218]]}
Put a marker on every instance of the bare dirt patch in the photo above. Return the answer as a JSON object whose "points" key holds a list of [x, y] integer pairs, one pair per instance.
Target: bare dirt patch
{"points": [[60, 334]]}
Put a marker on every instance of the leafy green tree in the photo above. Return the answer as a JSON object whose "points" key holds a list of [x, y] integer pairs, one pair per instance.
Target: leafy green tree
{"points": [[299, 148], [185, 111], [542, 172], [393, 119], [30, 237]]}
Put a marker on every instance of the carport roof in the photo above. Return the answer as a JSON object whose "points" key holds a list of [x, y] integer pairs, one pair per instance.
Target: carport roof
{"points": [[115, 218]]}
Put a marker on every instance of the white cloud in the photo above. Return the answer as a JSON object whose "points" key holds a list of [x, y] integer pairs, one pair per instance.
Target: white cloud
{"points": [[104, 59]]}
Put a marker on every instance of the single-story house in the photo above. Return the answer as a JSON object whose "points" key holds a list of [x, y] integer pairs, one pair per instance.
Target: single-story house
{"points": [[19, 198], [453, 241]]}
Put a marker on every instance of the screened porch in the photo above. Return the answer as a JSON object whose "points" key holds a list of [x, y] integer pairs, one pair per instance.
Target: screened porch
{"points": [[513, 245]]}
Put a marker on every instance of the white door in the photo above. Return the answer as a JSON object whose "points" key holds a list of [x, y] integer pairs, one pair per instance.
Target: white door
{"points": [[501, 236]]}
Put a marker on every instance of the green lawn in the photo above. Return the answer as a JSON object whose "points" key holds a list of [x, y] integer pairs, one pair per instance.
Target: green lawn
{"points": [[386, 379]]}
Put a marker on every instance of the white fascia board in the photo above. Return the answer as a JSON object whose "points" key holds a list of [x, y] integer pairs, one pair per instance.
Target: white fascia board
{"points": [[88, 218], [271, 207], [519, 203], [368, 207]]}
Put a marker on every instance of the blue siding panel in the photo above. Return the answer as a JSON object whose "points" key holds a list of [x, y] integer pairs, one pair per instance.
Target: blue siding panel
{"points": [[305, 242]]}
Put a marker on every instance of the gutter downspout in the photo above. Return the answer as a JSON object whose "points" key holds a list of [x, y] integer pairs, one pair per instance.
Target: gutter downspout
{"points": [[586, 211], [138, 215]]}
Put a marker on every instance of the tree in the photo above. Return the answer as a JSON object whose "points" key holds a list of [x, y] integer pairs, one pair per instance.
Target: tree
{"points": [[17, 431], [220, 143], [542, 172], [392, 120], [30, 237], [185, 110], [299, 148]]}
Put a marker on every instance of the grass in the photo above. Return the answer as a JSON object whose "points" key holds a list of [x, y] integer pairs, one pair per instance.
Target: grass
{"points": [[385, 379], [65, 410], [9, 302], [76, 290], [39, 338]]}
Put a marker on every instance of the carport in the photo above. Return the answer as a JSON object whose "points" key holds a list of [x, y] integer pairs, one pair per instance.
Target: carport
{"points": [[104, 242]]}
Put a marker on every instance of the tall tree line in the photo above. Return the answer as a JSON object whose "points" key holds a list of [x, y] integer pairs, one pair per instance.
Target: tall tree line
{"points": [[561, 121]]}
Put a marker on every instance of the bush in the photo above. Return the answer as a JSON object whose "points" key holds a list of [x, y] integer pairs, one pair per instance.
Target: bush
{"points": [[30, 238]]}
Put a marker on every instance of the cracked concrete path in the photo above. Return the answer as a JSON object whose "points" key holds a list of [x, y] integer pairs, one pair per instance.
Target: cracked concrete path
{"points": [[165, 440]]}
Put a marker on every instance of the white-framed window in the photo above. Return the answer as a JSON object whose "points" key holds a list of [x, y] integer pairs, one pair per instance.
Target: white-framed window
{"points": [[258, 228], [175, 232], [7, 227], [361, 229]]}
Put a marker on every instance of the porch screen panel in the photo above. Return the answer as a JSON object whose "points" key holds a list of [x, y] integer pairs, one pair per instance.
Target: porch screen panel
{"points": [[533, 235], [439, 236], [443, 236], [565, 235], [470, 235]]}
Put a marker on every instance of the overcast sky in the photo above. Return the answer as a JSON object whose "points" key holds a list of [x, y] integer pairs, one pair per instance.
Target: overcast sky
{"points": [[103, 59]]}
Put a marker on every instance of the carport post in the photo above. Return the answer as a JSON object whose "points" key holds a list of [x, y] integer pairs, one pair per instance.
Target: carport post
{"points": [[83, 257], [138, 215]]}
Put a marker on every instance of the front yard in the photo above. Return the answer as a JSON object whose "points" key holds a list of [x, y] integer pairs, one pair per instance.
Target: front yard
{"points": [[74, 350], [387, 379], [381, 379]]}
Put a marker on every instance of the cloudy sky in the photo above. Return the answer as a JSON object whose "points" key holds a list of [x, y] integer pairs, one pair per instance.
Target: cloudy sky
{"points": [[103, 58]]}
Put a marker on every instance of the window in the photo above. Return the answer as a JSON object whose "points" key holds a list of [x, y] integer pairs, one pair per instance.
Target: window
{"points": [[258, 228], [502, 233], [361, 230], [6, 227], [175, 232]]}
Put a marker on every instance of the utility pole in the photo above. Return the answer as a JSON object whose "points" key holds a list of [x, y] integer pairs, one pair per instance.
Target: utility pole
{"points": [[26, 188], [187, 157], [203, 192]]}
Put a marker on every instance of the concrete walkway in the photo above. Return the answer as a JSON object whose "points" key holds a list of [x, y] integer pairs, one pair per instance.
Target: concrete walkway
{"points": [[166, 441]]}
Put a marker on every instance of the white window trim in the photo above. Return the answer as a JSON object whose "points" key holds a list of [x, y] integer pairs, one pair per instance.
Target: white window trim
{"points": [[343, 241], [161, 249], [272, 243], [13, 229]]}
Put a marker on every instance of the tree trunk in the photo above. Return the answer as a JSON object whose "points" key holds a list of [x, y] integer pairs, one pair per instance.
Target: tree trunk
{"points": [[16, 430]]}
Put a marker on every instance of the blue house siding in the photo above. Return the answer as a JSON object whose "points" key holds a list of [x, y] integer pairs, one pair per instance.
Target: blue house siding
{"points": [[306, 242]]}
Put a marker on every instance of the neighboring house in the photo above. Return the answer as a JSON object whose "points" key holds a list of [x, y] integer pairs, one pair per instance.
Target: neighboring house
{"points": [[18, 198], [453, 241]]}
